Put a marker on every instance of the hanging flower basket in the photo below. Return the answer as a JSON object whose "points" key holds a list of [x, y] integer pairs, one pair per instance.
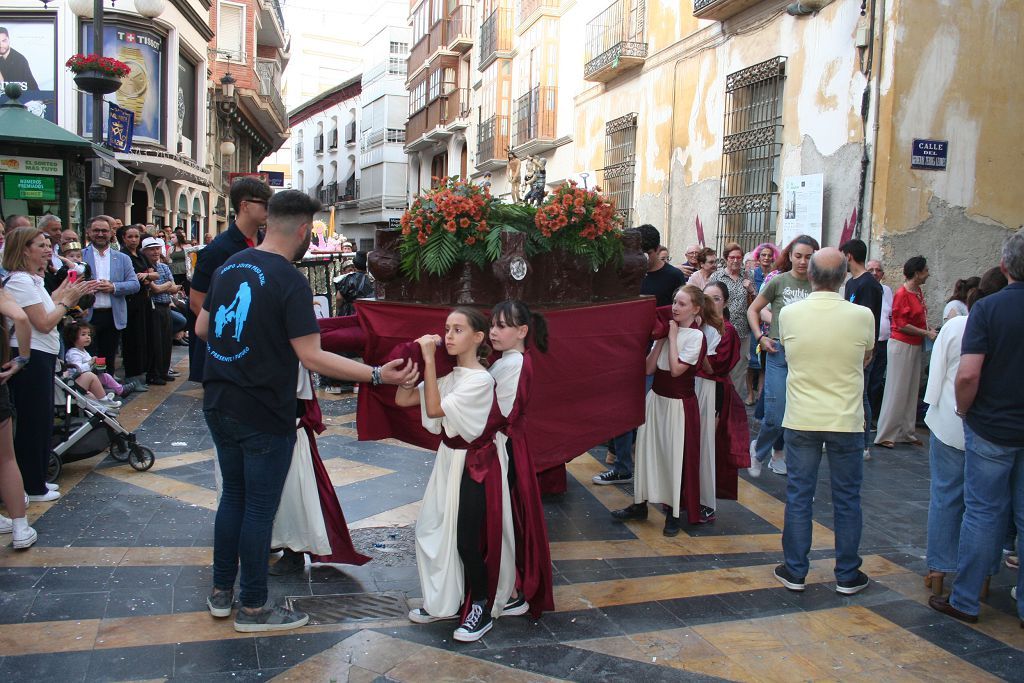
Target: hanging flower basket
{"points": [[97, 75]]}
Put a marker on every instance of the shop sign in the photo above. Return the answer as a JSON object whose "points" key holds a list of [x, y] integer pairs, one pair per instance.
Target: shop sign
{"points": [[32, 165], [929, 154], [29, 187]]}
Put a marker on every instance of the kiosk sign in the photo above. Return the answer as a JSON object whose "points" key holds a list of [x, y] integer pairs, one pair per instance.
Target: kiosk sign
{"points": [[929, 154]]}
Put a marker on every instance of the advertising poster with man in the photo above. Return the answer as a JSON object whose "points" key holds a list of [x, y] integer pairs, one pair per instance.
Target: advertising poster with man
{"points": [[27, 57], [142, 90]]}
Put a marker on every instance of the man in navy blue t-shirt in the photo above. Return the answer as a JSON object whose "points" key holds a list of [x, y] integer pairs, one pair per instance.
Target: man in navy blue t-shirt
{"points": [[259, 324], [989, 398]]}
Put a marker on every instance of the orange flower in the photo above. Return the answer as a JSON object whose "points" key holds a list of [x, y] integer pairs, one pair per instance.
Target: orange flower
{"points": [[464, 222], [450, 226], [470, 240]]}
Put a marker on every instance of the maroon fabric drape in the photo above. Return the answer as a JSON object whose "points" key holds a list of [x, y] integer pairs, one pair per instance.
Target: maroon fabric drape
{"points": [[533, 552], [342, 550], [342, 335], [585, 388], [732, 432]]}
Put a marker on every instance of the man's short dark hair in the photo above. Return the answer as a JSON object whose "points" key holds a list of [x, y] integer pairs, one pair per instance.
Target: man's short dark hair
{"points": [[914, 265], [855, 250], [287, 205], [248, 187], [650, 238], [4, 31]]}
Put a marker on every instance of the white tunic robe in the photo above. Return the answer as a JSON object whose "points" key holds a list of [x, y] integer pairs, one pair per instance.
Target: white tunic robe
{"points": [[705, 389], [466, 398], [658, 471]]}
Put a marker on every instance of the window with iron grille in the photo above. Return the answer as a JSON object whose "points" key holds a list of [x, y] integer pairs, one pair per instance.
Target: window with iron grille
{"points": [[619, 164], [749, 200]]}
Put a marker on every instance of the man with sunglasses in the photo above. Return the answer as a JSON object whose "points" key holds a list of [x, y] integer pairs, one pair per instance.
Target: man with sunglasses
{"points": [[249, 197]]}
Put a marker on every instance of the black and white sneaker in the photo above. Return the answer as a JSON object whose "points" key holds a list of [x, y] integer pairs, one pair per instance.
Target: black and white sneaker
{"points": [[788, 580], [516, 606], [421, 616], [477, 623], [854, 585], [612, 477]]}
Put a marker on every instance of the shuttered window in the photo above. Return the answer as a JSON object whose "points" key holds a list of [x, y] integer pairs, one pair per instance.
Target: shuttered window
{"points": [[231, 31]]}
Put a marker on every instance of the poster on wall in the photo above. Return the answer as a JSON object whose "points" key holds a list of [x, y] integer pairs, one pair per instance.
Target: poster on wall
{"points": [[803, 198], [28, 56], [142, 91]]}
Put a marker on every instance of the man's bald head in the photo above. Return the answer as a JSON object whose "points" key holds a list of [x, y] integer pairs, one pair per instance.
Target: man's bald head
{"points": [[827, 270]]}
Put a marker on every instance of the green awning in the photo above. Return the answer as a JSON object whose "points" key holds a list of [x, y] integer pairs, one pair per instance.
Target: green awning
{"points": [[18, 125]]}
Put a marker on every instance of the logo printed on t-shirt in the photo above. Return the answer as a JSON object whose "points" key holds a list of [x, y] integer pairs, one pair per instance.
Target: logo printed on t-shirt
{"points": [[791, 295], [231, 318]]}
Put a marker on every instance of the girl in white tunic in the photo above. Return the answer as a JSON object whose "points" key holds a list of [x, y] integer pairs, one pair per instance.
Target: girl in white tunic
{"points": [[459, 407], [705, 388], [668, 443]]}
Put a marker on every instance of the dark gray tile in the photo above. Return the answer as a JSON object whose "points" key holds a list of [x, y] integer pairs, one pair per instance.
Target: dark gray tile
{"points": [[19, 578], [761, 603], [581, 625], [518, 632], [212, 657], [956, 638], [65, 606], [75, 579], [641, 617], [602, 668], [137, 602], [557, 661], [437, 634], [144, 577], [1005, 662], [136, 663], [288, 650], [56, 666], [14, 605], [701, 609]]}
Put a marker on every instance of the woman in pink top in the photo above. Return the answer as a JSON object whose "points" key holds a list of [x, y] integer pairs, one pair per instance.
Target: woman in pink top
{"points": [[898, 417], [707, 259]]}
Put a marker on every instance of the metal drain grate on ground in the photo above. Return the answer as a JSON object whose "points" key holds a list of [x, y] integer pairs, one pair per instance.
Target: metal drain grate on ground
{"points": [[338, 609]]}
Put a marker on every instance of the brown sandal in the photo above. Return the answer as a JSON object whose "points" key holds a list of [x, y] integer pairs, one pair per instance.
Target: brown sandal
{"points": [[916, 442], [934, 581], [886, 444]]}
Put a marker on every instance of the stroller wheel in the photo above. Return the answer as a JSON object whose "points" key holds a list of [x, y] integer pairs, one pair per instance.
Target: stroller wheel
{"points": [[141, 458], [53, 468], [119, 450]]}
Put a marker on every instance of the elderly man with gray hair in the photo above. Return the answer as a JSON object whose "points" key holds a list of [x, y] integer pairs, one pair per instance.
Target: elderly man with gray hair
{"points": [[828, 341]]}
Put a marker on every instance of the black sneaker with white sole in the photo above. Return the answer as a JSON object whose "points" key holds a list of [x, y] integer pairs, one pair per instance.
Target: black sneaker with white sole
{"points": [[269, 619], [477, 623], [612, 477], [854, 585], [791, 582], [421, 616], [516, 606]]}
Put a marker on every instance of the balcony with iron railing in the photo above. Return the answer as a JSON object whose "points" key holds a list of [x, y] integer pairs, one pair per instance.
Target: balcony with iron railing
{"points": [[298, 150], [268, 71], [535, 120], [329, 194], [531, 10], [495, 37], [460, 27], [615, 42], [332, 139], [350, 192], [318, 144], [350, 133], [492, 143], [317, 191], [720, 10]]}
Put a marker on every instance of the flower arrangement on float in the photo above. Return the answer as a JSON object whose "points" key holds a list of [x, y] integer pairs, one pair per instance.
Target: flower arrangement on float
{"points": [[581, 222]]}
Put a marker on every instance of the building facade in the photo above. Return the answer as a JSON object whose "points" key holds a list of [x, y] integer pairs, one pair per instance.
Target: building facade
{"points": [[740, 120]]}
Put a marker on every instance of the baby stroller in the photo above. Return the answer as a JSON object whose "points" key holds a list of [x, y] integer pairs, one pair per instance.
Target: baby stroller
{"points": [[83, 427]]}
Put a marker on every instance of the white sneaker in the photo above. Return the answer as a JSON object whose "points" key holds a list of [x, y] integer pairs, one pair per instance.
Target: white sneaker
{"points": [[24, 538], [53, 487], [867, 453], [778, 466], [47, 497], [6, 525], [1013, 592], [108, 397], [755, 465]]}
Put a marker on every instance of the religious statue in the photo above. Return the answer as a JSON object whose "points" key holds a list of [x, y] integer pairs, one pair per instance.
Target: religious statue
{"points": [[537, 179], [513, 175]]}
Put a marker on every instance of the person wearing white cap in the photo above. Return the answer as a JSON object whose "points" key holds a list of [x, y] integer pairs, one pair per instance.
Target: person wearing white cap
{"points": [[159, 323]]}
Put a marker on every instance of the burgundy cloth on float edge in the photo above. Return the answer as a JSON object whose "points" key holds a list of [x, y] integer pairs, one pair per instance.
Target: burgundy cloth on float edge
{"points": [[342, 550], [585, 388]]}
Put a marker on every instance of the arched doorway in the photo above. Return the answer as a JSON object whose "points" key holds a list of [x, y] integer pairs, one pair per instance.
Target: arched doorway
{"points": [[140, 204]]}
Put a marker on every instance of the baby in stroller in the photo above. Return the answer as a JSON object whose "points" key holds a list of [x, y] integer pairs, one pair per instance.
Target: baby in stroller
{"points": [[77, 337]]}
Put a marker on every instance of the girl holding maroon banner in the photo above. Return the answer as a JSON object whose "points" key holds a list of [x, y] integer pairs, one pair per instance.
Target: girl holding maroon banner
{"points": [[668, 443], [466, 487], [515, 333]]}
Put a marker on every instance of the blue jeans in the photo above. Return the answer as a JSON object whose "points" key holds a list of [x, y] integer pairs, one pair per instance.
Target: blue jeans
{"points": [[946, 505], [178, 322], [623, 443], [775, 374], [845, 465], [993, 483], [253, 465]]}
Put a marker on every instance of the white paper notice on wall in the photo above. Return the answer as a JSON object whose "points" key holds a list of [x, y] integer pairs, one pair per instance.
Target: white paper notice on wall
{"points": [[803, 197]]}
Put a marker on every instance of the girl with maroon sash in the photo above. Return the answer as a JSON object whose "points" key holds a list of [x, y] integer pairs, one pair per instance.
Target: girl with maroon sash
{"points": [[464, 547], [515, 333], [667, 468], [732, 430]]}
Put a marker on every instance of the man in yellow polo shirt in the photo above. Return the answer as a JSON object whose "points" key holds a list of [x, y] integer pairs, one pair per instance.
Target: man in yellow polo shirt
{"points": [[828, 340]]}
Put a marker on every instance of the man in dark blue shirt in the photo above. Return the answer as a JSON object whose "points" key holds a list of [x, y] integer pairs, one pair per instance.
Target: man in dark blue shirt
{"points": [[259, 324], [989, 398], [249, 197], [864, 290]]}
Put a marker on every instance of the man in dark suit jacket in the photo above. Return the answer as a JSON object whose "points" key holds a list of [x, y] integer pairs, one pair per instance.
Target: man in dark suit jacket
{"points": [[109, 314]]}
